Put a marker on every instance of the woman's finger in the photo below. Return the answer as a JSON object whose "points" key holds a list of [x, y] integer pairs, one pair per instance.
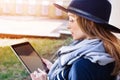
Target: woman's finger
{"points": [[38, 75], [47, 62], [43, 72], [33, 76]]}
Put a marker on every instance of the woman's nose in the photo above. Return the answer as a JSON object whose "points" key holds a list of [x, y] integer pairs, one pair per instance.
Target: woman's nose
{"points": [[68, 26]]}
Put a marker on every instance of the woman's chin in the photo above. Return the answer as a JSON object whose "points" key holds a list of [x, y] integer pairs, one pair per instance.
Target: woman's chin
{"points": [[74, 38]]}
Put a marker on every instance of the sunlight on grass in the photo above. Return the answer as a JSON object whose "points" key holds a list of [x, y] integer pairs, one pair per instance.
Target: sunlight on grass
{"points": [[10, 66]]}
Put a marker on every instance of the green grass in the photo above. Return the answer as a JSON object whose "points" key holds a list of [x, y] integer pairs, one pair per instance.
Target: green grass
{"points": [[10, 66]]}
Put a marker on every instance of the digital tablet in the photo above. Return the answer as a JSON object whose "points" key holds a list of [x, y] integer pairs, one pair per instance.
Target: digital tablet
{"points": [[29, 57]]}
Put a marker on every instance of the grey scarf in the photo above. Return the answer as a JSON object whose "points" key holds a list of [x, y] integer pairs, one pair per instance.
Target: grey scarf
{"points": [[89, 49]]}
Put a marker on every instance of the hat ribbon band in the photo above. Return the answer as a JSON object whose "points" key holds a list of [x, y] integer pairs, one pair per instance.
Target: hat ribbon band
{"points": [[87, 14]]}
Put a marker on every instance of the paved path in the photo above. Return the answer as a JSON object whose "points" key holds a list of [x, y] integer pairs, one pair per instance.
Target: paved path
{"points": [[31, 26]]}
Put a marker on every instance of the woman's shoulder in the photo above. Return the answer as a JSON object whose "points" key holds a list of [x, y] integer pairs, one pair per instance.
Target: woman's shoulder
{"points": [[84, 69]]}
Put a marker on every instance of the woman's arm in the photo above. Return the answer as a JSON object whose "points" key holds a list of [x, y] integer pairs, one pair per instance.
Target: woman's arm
{"points": [[78, 71]]}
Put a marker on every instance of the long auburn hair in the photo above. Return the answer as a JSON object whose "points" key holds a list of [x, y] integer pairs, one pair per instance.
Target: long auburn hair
{"points": [[110, 41]]}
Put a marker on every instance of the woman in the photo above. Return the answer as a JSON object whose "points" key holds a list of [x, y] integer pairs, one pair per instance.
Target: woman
{"points": [[94, 54]]}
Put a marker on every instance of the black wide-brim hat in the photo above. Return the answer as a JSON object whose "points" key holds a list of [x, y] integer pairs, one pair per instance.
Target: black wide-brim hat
{"points": [[95, 10]]}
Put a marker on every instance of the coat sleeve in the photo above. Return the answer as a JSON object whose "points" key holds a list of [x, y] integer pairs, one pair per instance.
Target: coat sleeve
{"points": [[79, 71]]}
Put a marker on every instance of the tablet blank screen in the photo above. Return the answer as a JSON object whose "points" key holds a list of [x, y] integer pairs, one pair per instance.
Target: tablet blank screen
{"points": [[28, 56]]}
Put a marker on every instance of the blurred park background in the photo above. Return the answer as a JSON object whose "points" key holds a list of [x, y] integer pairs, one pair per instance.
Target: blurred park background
{"points": [[41, 24], [32, 7]]}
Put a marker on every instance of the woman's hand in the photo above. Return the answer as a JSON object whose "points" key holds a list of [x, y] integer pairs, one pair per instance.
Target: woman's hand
{"points": [[48, 63], [39, 75]]}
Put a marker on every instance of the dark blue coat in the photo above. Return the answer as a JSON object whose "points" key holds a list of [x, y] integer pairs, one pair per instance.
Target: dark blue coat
{"points": [[84, 69]]}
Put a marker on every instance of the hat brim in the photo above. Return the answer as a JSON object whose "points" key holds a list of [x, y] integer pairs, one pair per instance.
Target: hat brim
{"points": [[89, 17]]}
